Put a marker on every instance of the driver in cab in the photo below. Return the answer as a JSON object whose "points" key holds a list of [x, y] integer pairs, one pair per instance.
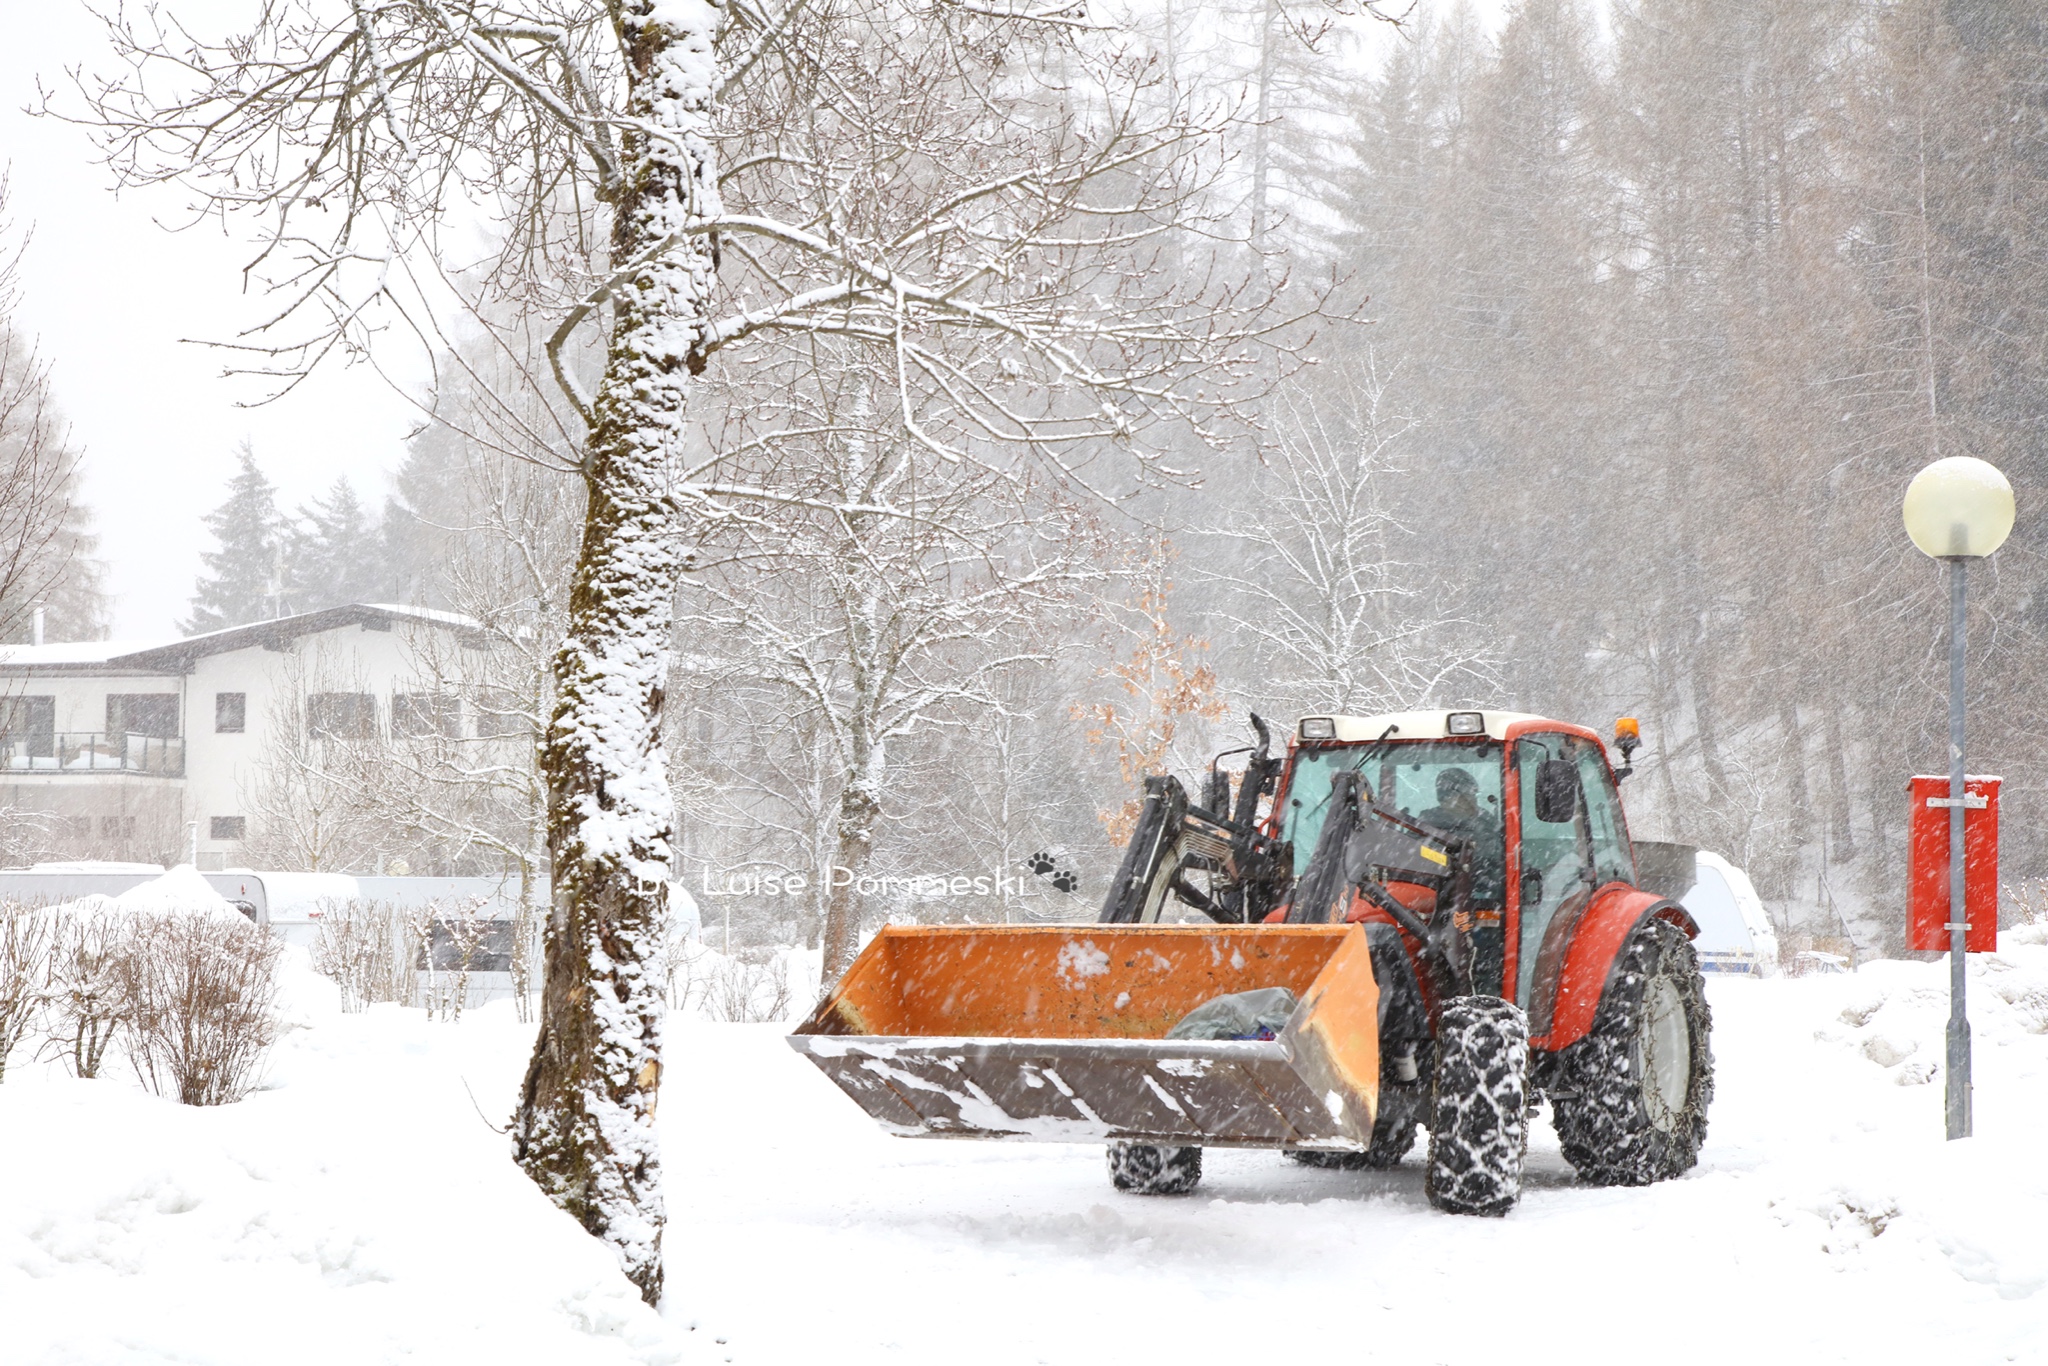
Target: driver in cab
{"points": [[1457, 812]]}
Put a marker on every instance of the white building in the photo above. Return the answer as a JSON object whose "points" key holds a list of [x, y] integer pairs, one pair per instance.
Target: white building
{"points": [[152, 751]]}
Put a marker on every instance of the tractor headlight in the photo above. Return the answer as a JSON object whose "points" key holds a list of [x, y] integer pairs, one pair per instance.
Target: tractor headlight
{"points": [[1466, 723], [1318, 727]]}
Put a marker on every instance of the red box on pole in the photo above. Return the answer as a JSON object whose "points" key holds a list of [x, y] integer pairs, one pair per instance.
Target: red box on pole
{"points": [[1927, 865]]}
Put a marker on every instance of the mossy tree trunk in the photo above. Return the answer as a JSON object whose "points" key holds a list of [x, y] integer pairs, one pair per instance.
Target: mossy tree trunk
{"points": [[585, 1126]]}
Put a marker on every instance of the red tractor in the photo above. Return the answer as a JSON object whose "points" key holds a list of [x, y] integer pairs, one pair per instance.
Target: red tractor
{"points": [[1427, 919]]}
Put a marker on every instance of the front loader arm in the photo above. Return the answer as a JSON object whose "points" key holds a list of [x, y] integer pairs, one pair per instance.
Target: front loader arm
{"points": [[1247, 870], [1152, 859]]}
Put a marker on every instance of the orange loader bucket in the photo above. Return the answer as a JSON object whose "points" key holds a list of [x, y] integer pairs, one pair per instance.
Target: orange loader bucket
{"points": [[1057, 1033]]}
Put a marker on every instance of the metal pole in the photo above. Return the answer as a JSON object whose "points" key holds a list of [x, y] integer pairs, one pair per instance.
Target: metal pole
{"points": [[1958, 917]]}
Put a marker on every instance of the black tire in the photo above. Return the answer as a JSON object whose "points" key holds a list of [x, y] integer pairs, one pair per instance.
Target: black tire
{"points": [[1479, 1124], [1142, 1169], [1630, 1100], [1389, 1146], [1393, 1136]]}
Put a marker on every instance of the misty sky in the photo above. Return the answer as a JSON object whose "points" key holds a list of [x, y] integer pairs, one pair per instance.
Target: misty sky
{"points": [[110, 294]]}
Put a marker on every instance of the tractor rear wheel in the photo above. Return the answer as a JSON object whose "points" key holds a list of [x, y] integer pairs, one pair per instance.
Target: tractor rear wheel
{"points": [[1143, 1169], [1630, 1101], [1479, 1126]]}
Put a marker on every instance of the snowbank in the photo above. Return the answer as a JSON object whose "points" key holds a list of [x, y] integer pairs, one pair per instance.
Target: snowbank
{"points": [[356, 1211], [181, 891], [360, 1211]]}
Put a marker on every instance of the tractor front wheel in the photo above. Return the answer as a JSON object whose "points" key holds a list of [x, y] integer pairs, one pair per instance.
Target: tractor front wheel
{"points": [[1479, 1125], [1630, 1101], [1143, 1169]]}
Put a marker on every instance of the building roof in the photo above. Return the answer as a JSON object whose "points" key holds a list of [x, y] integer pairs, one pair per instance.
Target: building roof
{"points": [[70, 653], [177, 656]]}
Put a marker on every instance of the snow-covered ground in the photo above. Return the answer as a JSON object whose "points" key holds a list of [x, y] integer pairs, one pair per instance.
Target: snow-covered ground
{"points": [[359, 1210]]}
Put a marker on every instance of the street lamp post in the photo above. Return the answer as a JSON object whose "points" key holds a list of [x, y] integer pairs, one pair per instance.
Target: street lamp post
{"points": [[1958, 510]]}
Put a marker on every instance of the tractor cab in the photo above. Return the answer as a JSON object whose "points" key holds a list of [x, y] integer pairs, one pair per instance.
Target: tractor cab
{"points": [[1532, 801]]}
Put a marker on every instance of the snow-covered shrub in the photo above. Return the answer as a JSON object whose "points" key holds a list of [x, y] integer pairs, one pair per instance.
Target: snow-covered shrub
{"points": [[370, 949], [87, 998], [749, 993], [527, 956], [2028, 898], [451, 942], [27, 937], [750, 987], [201, 999]]}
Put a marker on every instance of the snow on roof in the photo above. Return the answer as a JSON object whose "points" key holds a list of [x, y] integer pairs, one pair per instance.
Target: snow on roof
{"points": [[171, 656], [93, 868], [70, 653]]}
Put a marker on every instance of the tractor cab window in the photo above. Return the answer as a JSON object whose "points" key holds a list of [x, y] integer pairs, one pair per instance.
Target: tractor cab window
{"points": [[1454, 787], [1584, 848], [1614, 859]]}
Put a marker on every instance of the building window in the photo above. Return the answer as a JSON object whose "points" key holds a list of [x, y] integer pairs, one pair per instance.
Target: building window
{"points": [[230, 827], [341, 715], [28, 731], [417, 714], [154, 714], [230, 712], [117, 827], [501, 715]]}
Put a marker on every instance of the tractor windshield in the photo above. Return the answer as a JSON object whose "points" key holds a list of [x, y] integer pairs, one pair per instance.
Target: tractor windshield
{"points": [[1449, 785]]}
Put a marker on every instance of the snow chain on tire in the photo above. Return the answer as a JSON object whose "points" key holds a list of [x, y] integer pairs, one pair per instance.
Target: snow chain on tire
{"points": [[1479, 1126], [1630, 1101], [1142, 1169]]}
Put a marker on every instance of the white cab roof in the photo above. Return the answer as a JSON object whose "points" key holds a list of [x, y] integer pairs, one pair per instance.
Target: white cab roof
{"points": [[1422, 725]]}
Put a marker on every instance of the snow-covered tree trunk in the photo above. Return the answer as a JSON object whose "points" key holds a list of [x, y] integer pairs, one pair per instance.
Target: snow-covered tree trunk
{"points": [[585, 1127], [860, 796], [854, 822]]}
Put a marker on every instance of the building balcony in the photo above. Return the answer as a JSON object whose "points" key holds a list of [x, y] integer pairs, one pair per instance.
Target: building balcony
{"points": [[63, 753]]}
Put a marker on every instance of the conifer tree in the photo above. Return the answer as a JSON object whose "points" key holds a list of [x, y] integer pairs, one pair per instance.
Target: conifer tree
{"points": [[240, 581], [332, 554], [47, 545]]}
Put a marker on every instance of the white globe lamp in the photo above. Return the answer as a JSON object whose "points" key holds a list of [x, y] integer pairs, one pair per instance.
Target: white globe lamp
{"points": [[1961, 506]]}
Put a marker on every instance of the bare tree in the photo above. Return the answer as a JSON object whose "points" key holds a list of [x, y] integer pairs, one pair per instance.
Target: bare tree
{"points": [[28, 941], [1320, 603], [892, 624], [87, 1003], [990, 142], [201, 996], [313, 793], [1012, 793]]}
